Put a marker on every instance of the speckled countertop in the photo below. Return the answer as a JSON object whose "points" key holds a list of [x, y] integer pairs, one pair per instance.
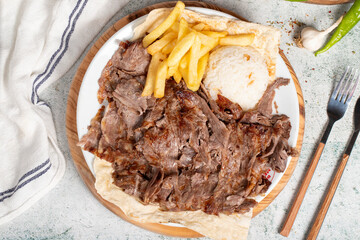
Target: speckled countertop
{"points": [[70, 211]]}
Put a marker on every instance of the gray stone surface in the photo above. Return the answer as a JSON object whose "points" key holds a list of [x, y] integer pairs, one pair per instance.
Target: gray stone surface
{"points": [[69, 211]]}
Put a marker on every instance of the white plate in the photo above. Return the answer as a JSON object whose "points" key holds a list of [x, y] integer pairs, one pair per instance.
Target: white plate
{"points": [[87, 105]]}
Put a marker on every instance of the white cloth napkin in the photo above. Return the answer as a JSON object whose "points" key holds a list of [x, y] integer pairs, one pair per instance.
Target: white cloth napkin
{"points": [[40, 41]]}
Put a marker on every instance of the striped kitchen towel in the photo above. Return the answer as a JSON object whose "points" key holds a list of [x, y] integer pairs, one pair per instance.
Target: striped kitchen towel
{"points": [[40, 41]]}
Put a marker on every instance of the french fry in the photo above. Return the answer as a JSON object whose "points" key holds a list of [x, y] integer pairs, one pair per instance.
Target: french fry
{"points": [[183, 29], [172, 69], [151, 75], [201, 67], [181, 48], [160, 80], [177, 76], [168, 48], [185, 60], [207, 41], [175, 27], [238, 40], [210, 43], [157, 32], [194, 87], [199, 26], [161, 43], [193, 62], [184, 71], [215, 34], [168, 76], [207, 48]]}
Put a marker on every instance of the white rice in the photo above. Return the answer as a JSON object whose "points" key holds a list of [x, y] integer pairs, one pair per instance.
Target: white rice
{"points": [[238, 73]]}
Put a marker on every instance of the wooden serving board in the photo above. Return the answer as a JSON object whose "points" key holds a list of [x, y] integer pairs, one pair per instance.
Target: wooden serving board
{"points": [[73, 138]]}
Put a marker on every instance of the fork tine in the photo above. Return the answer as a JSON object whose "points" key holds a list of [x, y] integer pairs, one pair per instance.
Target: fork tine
{"points": [[337, 88], [343, 86], [352, 90], [347, 87]]}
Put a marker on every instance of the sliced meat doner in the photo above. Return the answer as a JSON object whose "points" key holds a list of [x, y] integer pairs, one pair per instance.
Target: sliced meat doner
{"points": [[184, 151]]}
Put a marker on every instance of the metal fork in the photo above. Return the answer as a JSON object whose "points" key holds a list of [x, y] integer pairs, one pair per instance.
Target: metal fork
{"points": [[336, 179], [336, 108]]}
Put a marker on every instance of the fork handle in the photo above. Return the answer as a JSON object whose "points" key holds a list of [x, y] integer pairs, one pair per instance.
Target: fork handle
{"points": [[285, 231], [327, 130], [329, 196]]}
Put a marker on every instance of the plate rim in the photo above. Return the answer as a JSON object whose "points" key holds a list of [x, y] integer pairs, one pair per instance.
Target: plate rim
{"points": [[71, 126]]}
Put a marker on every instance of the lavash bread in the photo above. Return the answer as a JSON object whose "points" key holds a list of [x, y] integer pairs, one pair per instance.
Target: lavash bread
{"points": [[221, 227]]}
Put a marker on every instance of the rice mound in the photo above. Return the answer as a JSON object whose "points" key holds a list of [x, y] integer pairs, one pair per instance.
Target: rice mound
{"points": [[238, 73]]}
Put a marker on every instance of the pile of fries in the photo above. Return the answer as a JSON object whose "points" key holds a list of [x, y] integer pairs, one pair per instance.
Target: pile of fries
{"points": [[181, 50]]}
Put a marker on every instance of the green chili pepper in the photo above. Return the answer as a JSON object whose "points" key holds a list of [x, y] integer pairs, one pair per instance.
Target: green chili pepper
{"points": [[351, 18]]}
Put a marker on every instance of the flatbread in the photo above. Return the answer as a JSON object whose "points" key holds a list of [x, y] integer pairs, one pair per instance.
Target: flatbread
{"points": [[222, 227]]}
